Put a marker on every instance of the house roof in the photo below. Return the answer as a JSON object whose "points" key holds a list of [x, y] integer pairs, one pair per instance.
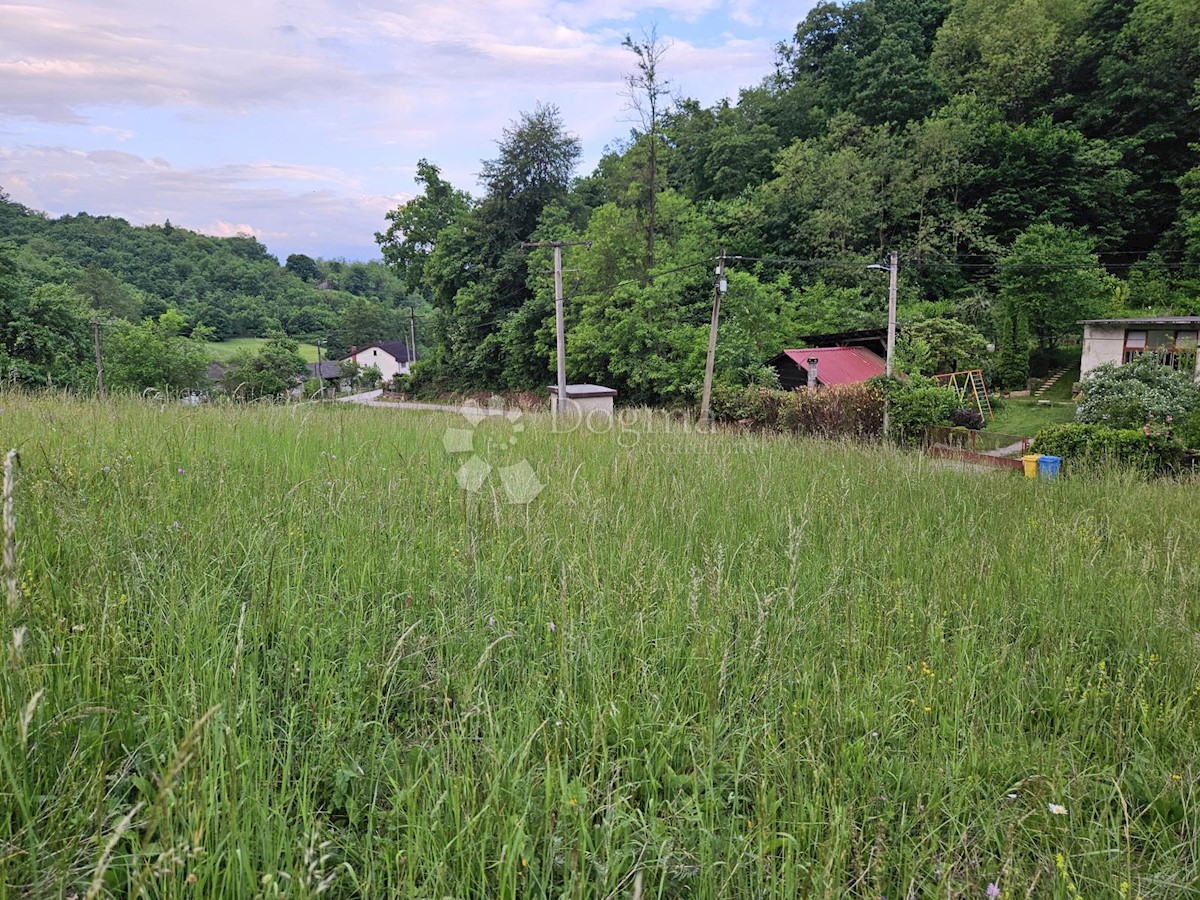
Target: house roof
{"points": [[580, 391], [1193, 321], [397, 349], [839, 365], [324, 369]]}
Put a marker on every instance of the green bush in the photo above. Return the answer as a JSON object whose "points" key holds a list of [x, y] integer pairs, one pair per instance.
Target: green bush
{"points": [[1188, 431], [854, 410], [1147, 449], [914, 405], [1128, 396]]}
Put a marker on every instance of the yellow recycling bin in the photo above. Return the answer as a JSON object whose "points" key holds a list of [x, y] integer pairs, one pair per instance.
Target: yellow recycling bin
{"points": [[1031, 464]]}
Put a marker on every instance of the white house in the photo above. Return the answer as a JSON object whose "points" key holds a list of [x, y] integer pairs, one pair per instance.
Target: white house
{"points": [[1172, 338], [392, 358]]}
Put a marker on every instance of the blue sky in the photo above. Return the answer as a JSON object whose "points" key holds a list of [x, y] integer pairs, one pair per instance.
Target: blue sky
{"points": [[301, 122]]}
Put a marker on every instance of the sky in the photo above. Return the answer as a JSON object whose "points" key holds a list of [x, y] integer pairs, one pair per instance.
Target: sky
{"points": [[301, 123]]}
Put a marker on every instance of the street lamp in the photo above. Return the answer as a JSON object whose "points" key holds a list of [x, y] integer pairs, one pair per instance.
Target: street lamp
{"points": [[891, 268]]}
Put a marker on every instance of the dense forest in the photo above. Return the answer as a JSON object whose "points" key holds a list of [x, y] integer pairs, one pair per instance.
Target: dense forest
{"points": [[1033, 163]]}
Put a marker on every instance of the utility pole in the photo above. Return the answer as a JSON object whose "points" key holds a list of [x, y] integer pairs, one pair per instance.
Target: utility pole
{"points": [[559, 317], [412, 335], [712, 337], [320, 374], [892, 268], [99, 360]]}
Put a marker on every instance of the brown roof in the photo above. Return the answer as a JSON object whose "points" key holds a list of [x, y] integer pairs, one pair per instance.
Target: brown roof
{"points": [[397, 349]]}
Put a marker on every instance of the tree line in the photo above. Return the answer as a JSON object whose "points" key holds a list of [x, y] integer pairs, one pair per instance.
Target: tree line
{"points": [[1033, 163]]}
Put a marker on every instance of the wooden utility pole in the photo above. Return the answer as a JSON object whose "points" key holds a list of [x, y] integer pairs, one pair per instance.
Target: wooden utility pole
{"points": [[412, 336], [559, 316], [99, 359], [712, 338]]}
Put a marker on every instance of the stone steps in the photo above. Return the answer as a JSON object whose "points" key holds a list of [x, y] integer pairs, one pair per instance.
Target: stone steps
{"points": [[1051, 381]]}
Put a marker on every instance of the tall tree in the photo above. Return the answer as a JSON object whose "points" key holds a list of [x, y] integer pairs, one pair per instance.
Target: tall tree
{"points": [[646, 93], [412, 236], [1049, 279]]}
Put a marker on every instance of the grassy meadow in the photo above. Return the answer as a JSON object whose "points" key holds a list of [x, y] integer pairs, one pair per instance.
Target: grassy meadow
{"points": [[273, 651], [224, 351]]}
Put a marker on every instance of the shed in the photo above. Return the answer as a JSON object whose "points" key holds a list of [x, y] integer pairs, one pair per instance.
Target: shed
{"points": [[585, 399], [826, 366], [1172, 338]]}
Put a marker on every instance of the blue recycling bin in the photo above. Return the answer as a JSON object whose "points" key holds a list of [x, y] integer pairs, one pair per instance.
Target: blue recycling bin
{"points": [[1048, 466]]}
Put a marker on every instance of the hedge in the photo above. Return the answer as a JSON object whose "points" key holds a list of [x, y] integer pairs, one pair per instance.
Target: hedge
{"points": [[1146, 450], [850, 411]]}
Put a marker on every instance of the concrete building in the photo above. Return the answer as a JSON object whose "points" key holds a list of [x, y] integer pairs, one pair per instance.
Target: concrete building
{"points": [[584, 400], [1172, 338]]}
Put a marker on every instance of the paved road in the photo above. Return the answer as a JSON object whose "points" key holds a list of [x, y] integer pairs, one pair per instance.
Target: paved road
{"points": [[371, 398]]}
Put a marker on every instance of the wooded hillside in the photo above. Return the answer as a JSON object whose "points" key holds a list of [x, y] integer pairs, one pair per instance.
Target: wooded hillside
{"points": [[1033, 163]]}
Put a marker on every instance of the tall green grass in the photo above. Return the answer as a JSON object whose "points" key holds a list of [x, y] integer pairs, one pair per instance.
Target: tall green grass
{"points": [[276, 651]]}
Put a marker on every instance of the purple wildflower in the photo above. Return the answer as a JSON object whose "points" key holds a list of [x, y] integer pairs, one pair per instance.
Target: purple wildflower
{"points": [[993, 890], [181, 471]]}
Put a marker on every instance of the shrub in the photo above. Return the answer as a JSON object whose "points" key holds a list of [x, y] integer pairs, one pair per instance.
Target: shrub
{"points": [[1128, 396], [968, 418], [914, 405], [1147, 449], [1188, 431], [854, 410]]}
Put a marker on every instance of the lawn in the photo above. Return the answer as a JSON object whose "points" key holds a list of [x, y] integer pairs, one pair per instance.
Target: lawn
{"points": [[1025, 417], [223, 351], [269, 651]]}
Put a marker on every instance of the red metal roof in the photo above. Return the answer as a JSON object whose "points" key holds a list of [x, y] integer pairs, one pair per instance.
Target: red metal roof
{"points": [[840, 365]]}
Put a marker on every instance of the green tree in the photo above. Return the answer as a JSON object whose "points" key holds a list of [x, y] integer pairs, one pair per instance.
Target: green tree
{"points": [[413, 233], [45, 336], [1051, 278], [156, 354], [303, 267], [272, 371], [947, 345], [108, 295]]}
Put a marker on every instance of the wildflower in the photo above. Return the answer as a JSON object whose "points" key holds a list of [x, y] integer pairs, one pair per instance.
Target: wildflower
{"points": [[191, 879], [181, 471], [1176, 777], [1056, 809], [491, 621], [552, 626], [928, 709], [993, 890]]}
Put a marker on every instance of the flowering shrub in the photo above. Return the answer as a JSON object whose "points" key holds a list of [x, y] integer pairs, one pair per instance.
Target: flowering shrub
{"points": [[854, 411], [1128, 396], [1150, 449]]}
